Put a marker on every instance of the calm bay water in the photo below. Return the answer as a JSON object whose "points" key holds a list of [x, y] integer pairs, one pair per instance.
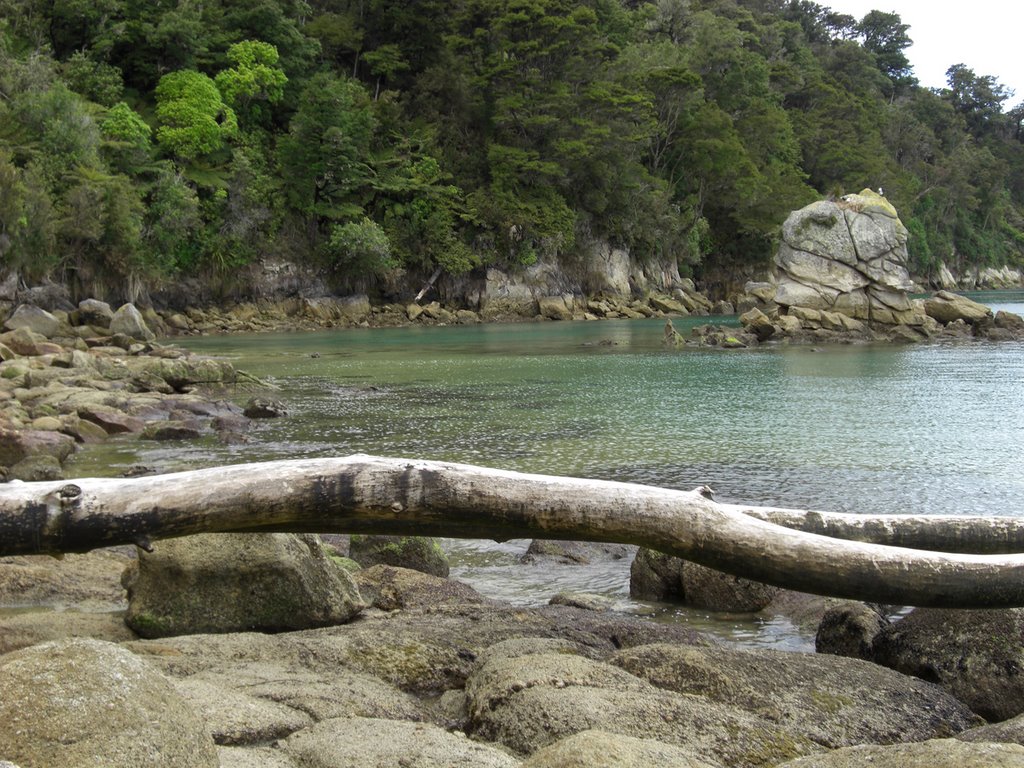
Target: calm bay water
{"points": [[935, 428]]}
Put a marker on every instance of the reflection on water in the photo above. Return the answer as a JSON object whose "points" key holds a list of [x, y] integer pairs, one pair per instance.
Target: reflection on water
{"points": [[880, 429]]}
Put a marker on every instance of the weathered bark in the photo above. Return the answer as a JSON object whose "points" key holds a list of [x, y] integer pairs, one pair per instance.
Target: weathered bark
{"points": [[939, 533], [365, 494]]}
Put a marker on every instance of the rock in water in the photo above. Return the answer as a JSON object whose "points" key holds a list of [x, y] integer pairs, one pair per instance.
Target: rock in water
{"points": [[420, 553], [77, 703], [237, 582], [847, 256]]}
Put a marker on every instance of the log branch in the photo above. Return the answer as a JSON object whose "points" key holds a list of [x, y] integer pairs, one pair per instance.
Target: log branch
{"points": [[939, 533], [366, 494]]}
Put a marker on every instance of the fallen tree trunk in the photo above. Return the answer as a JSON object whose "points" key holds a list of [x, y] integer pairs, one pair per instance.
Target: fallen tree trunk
{"points": [[939, 533], [365, 494]]}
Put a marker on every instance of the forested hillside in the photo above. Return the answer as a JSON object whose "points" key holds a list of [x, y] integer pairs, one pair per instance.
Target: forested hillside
{"points": [[144, 141]]}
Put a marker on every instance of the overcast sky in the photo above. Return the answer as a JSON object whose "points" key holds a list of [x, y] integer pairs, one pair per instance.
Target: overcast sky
{"points": [[986, 35]]}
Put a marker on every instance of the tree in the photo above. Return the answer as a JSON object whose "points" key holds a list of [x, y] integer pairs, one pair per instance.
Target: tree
{"points": [[194, 120], [885, 35], [255, 76], [978, 98], [325, 155]]}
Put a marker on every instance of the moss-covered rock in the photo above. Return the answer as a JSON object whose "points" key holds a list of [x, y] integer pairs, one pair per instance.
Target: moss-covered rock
{"points": [[224, 582], [418, 553]]}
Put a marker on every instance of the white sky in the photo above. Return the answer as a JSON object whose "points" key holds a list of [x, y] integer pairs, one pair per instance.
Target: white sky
{"points": [[986, 35]]}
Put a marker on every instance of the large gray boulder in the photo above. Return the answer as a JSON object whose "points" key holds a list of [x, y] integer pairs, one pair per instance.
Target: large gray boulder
{"points": [[235, 582], [35, 319], [949, 307], [129, 321], [847, 256], [976, 655], [832, 701], [78, 703], [94, 312]]}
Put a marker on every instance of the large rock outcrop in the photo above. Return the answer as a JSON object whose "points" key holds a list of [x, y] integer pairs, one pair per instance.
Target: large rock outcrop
{"points": [[847, 256]]}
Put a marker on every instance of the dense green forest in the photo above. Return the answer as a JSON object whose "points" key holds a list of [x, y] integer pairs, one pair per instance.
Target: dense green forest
{"points": [[145, 141]]}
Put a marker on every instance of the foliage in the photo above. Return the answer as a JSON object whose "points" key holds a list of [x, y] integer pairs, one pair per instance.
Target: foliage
{"points": [[143, 141], [194, 120], [360, 246]]}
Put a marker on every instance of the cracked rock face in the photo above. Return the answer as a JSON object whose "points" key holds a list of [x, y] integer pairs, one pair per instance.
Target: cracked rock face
{"points": [[847, 256]]}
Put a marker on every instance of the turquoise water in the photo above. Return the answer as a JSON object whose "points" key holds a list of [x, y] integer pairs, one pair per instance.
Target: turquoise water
{"points": [[935, 428]]}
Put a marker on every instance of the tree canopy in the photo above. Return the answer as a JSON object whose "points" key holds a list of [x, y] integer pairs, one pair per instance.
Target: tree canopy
{"points": [[370, 137]]}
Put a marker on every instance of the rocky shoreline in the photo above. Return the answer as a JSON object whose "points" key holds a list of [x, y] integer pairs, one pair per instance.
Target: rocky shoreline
{"points": [[425, 672], [309, 659]]}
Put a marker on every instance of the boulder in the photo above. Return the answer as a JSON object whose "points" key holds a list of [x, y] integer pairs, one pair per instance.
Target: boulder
{"points": [[34, 319], [360, 742], [33, 469], [601, 749], [88, 581], [236, 717], [419, 553], [976, 655], [575, 552], [832, 701], [321, 691], [129, 321], [80, 702], [224, 582], [656, 576], [528, 701], [668, 305], [31, 627], [849, 629], [389, 589], [16, 446], [847, 256], [555, 307], [93, 312], [1010, 322], [937, 753], [24, 341], [949, 307], [758, 323], [1008, 731]]}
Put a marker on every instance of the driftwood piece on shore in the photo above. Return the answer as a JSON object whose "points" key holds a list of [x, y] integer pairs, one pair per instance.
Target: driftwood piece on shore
{"points": [[366, 494]]}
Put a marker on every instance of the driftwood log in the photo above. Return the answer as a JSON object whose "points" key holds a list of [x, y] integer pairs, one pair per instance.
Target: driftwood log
{"points": [[367, 494]]}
